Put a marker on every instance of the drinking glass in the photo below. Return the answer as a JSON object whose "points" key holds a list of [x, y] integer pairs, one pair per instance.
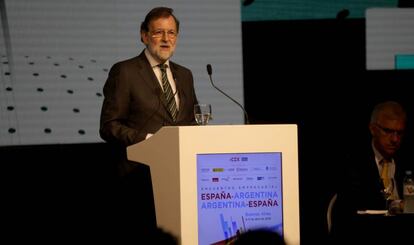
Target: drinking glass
{"points": [[387, 193], [202, 113]]}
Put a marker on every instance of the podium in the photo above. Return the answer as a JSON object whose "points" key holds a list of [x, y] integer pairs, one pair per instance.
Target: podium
{"points": [[172, 153]]}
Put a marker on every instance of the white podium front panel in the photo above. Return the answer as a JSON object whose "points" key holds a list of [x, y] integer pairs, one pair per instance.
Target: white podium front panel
{"points": [[172, 155]]}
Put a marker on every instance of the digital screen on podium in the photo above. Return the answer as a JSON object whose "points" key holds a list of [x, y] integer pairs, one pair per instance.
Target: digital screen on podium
{"points": [[238, 192]]}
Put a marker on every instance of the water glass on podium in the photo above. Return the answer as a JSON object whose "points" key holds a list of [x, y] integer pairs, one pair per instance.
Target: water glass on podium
{"points": [[202, 113]]}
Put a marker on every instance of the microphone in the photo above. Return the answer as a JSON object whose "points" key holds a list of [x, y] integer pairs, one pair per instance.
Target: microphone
{"points": [[210, 71]]}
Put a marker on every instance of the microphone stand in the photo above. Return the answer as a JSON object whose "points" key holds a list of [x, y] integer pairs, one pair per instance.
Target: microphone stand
{"points": [[210, 71]]}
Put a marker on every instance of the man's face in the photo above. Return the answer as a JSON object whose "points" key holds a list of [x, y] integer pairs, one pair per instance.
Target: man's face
{"points": [[161, 38], [387, 135]]}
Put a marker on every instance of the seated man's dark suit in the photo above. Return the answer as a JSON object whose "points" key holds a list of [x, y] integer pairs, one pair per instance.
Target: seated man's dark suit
{"points": [[359, 188]]}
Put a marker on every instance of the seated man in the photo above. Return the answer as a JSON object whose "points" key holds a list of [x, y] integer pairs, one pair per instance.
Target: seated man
{"points": [[371, 178]]}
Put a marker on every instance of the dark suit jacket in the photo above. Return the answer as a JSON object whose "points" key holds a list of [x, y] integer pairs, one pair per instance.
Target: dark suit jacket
{"points": [[134, 106], [359, 187]]}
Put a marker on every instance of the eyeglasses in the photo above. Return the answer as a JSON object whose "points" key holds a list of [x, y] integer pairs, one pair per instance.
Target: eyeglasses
{"points": [[389, 131], [160, 33]]}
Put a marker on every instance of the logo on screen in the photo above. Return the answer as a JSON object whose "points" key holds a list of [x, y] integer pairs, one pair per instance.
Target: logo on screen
{"points": [[205, 170]]}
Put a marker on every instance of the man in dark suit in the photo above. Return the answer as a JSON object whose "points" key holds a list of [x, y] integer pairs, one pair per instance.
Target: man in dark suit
{"points": [[134, 106], [141, 95], [365, 176]]}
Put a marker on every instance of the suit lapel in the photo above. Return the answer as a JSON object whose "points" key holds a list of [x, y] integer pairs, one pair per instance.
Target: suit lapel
{"points": [[145, 71]]}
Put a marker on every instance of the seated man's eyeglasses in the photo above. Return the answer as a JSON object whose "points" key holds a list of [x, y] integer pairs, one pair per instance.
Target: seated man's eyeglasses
{"points": [[160, 33], [389, 131]]}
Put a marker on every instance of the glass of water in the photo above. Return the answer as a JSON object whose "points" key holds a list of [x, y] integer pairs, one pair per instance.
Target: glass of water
{"points": [[202, 113]]}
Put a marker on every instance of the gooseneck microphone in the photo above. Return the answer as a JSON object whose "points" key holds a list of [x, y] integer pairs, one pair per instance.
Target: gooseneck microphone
{"points": [[210, 72]]}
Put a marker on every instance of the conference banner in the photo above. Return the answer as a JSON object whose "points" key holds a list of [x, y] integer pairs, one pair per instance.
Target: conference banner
{"points": [[238, 192]]}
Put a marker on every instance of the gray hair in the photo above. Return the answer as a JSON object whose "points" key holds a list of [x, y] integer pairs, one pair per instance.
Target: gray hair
{"points": [[390, 109]]}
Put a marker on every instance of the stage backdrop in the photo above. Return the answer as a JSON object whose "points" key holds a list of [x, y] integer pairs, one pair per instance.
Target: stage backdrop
{"points": [[55, 57]]}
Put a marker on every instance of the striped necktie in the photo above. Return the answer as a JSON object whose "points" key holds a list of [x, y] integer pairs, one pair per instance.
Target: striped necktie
{"points": [[168, 93]]}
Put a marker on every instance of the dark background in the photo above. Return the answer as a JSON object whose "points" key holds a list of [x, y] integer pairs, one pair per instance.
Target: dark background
{"points": [[310, 73]]}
